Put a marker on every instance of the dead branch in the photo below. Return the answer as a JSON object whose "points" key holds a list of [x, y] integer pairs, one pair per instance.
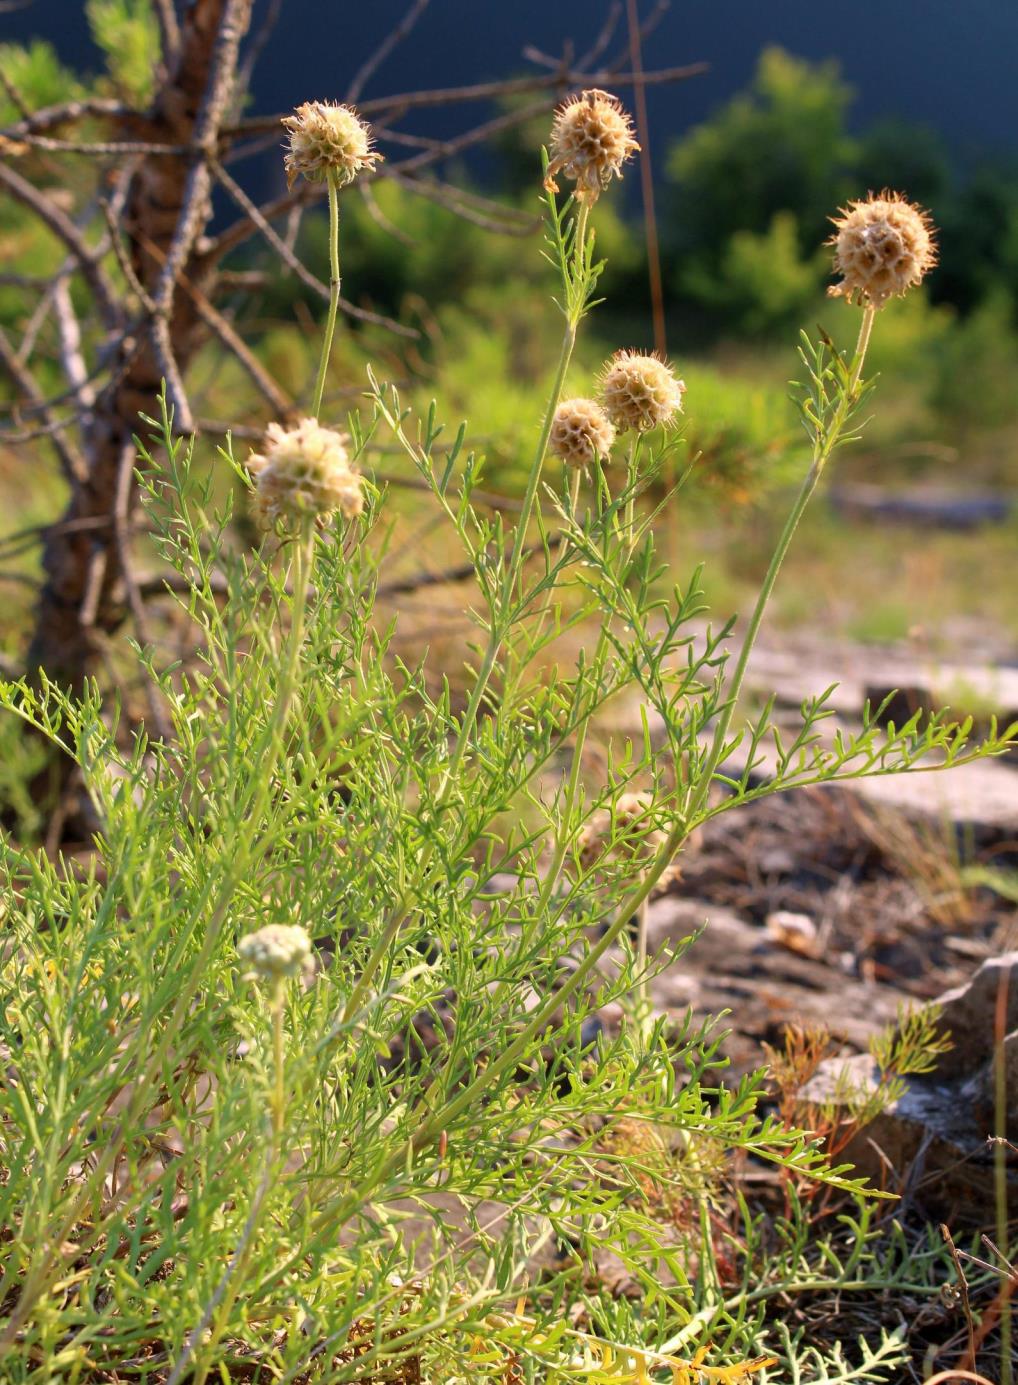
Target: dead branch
{"points": [[57, 221], [71, 461], [67, 113], [258, 220], [490, 91], [392, 40]]}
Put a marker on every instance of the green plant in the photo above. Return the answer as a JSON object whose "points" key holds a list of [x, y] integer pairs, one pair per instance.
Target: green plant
{"points": [[359, 1180]]}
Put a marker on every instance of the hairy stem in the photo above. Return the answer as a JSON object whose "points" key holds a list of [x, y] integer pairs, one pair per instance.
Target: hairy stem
{"points": [[330, 321]]}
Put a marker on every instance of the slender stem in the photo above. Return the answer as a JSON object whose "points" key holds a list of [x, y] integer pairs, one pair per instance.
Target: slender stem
{"points": [[643, 989], [573, 316], [1000, 1166], [634, 448], [278, 1086], [825, 443], [330, 321], [642, 919], [398, 915]]}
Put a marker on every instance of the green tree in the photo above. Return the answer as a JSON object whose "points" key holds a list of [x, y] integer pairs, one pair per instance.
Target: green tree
{"points": [[781, 146], [766, 284]]}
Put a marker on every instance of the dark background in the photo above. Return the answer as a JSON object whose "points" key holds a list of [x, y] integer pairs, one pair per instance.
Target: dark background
{"points": [[948, 63]]}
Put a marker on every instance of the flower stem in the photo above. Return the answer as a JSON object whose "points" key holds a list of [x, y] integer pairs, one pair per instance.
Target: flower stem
{"points": [[278, 1087], [825, 442], [330, 321], [643, 1010]]}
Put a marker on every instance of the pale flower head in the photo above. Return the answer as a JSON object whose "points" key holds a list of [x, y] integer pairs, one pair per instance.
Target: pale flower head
{"points": [[327, 138], [883, 247], [277, 952], [640, 392], [581, 432], [591, 138], [304, 472], [627, 832]]}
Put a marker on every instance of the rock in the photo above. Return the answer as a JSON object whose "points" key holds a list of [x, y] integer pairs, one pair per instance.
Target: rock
{"points": [[797, 932], [734, 966], [968, 1014], [934, 507], [934, 1137]]}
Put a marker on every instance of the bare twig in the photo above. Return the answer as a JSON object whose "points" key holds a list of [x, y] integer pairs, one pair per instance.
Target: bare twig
{"points": [[657, 298], [963, 1289], [66, 113], [393, 38], [255, 47], [604, 38], [100, 148], [124, 259], [71, 461], [61, 225], [367, 193], [13, 94], [447, 196], [221, 328], [488, 91], [259, 220], [71, 357], [193, 211], [169, 30]]}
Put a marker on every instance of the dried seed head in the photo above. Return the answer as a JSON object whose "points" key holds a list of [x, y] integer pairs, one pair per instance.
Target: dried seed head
{"points": [[627, 832], [327, 138], [303, 472], [883, 247], [276, 952], [591, 138], [640, 392], [581, 432]]}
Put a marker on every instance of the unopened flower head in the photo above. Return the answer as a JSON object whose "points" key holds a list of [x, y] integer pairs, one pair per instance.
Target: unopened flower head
{"points": [[627, 832], [591, 138], [304, 472], [581, 432], [883, 247], [276, 952], [327, 138], [640, 392]]}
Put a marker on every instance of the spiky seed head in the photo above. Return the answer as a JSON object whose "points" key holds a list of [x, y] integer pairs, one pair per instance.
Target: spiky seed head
{"points": [[327, 138], [626, 832], [591, 138], [581, 432], [883, 246], [640, 392], [304, 472], [276, 952]]}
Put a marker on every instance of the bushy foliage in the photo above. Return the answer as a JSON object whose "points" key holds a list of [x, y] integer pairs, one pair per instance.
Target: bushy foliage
{"points": [[405, 1161]]}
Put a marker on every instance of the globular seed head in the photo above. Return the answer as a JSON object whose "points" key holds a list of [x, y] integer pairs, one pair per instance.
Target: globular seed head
{"points": [[883, 246], [581, 432], [327, 138], [640, 392], [591, 138], [304, 472], [277, 952]]}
